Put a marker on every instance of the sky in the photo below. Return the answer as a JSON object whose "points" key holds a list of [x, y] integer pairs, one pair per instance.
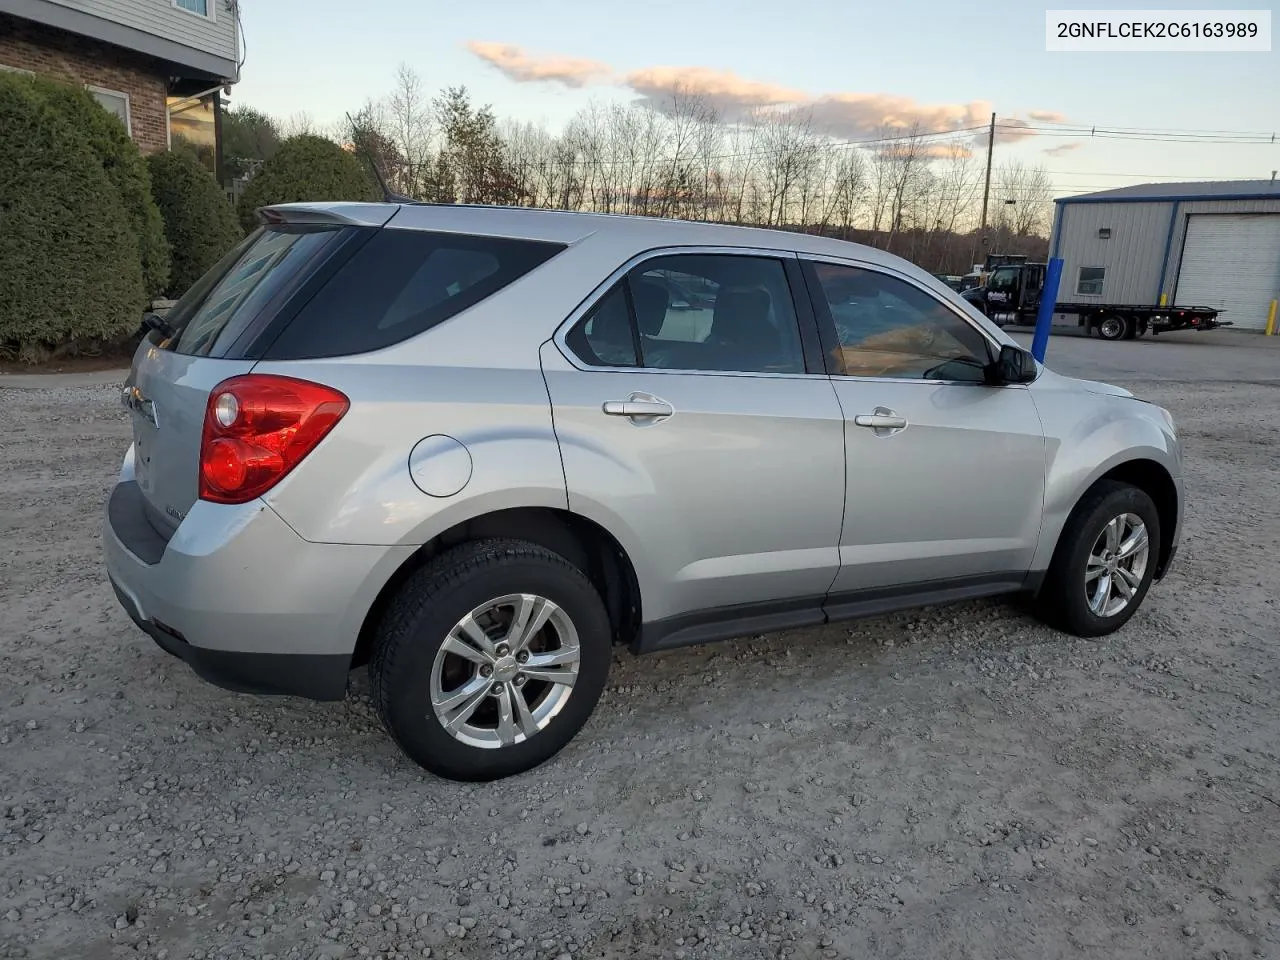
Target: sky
{"points": [[856, 65]]}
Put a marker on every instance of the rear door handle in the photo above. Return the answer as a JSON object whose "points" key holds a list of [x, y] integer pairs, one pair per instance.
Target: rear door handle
{"points": [[883, 421], [638, 406]]}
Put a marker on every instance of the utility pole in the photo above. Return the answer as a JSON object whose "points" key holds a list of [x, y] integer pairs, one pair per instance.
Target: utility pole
{"points": [[986, 191]]}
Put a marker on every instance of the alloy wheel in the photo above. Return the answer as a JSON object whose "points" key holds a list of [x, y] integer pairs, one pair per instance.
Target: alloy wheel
{"points": [[505, 670], [1117, 565]]}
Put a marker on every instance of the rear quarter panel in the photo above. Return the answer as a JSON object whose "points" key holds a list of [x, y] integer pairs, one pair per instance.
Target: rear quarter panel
{"points": [[356, 486]]}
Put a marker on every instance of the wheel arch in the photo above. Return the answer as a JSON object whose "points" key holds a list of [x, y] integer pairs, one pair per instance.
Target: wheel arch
{"points": [[583, 542], [1153, 478]]}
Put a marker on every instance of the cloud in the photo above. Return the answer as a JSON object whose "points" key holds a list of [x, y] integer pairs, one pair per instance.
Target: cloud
{"points": [[523, 68], [722, 89], [1062, 148], [866, 115], [853, 116], [951, 150]]}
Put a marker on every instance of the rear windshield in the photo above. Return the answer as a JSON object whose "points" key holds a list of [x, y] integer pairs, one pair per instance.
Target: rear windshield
{"points": [[259, 271], [401, 283]]}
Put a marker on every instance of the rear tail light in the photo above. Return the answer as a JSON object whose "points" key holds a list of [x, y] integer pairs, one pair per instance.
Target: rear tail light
{"points": [[257, 428]]}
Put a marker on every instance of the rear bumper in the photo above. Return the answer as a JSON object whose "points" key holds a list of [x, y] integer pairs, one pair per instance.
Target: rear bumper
{"points": [[316, 676], [241, 598]]}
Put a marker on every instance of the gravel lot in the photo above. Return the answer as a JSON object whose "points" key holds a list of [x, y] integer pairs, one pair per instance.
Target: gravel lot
{"points": [[952, 783]]}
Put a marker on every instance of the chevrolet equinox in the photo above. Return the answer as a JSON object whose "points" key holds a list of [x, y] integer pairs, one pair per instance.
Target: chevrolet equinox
{"points": [[476, 447]]}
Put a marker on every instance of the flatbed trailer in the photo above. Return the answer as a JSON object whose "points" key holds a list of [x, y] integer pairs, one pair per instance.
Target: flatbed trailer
{"points": [[1011, 295]]}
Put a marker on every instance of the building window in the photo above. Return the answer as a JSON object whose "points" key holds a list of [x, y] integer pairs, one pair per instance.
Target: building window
{"points": [[113, 101], [1089, 283], [193, 125], [203, 8]]}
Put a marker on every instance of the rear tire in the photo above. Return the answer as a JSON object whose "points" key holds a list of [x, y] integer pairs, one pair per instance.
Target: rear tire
{"points": [[1085, 561], [460, 601]]}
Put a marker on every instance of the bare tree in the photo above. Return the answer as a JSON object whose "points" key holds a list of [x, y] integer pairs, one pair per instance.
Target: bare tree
{"points": [[678, 157], [850, 186], [1031, 191], [298, 123], [407, 120]]}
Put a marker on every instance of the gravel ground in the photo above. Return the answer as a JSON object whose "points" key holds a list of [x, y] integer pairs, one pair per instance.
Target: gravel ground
{"points": [[957, 783]]}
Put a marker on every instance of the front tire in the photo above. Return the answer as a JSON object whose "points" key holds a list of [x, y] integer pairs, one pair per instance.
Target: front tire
{"points": [[1104, 563], [490, 659]]}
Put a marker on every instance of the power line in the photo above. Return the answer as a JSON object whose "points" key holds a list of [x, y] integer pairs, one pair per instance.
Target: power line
{"points": [[1106, 134], [1109, 126]]}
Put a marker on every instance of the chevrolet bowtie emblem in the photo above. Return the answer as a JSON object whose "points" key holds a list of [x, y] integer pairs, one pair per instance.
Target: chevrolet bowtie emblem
{"points": [[134, 399]]}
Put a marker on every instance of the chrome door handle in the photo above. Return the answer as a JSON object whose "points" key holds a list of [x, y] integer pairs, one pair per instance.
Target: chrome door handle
{"points": [[883, 421], [880, 421], [638, 406]]}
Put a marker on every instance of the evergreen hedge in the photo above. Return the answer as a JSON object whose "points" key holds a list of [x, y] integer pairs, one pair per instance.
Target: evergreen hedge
{"points": [[124, 166], [306, 167], [70, 268], [198, 220]]}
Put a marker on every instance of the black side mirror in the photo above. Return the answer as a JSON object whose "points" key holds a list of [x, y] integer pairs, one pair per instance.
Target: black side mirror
{"points": [[1013, 365]]}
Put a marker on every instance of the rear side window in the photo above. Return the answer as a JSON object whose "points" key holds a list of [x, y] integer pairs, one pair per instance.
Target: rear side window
{"points": [[401, 283]]}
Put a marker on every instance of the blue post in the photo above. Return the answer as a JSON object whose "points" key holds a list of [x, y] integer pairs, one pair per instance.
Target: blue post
{"points": [[1048, 300]]}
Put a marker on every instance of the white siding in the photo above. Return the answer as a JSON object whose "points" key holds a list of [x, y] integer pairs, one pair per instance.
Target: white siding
{"points": [[215, 34], [1231, 261], [1132, 255]]}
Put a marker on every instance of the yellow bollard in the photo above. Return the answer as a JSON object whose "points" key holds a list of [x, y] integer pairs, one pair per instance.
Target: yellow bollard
{"points": [[1271, 319]]}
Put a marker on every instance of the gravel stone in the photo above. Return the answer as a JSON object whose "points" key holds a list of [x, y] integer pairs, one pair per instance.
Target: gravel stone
{"points": [[1012, 779]]}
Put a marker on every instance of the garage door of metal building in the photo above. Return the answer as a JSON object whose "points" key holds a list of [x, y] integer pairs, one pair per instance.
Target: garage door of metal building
{"points": [[1232, 261]]}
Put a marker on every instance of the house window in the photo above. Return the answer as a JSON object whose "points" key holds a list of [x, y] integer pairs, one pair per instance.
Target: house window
{"points": [[203, 8], [1089, 282], [113, 101]]}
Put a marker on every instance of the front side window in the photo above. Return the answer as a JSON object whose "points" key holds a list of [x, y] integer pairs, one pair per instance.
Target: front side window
{"points": [[1004, 280], [887, 327], [1089, 282], [194, 6]]}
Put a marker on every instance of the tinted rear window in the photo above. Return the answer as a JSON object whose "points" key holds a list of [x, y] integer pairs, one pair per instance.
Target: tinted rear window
{"points": [[258, 271], [401, 283]]}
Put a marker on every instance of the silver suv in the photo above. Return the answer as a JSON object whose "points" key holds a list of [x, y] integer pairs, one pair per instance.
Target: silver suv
{"points": [[475, 448]]}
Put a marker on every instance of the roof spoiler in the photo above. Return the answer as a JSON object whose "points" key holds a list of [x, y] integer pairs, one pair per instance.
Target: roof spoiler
{"points": [[332, 213]]}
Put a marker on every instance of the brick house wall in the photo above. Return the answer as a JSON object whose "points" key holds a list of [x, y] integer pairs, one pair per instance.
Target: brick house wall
{"points": [[44, 50]]}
